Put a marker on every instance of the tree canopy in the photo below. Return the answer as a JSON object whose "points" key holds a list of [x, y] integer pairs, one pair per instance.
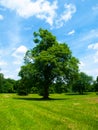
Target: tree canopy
{"points": [[7, 85], [48, 62], [82, 83]]}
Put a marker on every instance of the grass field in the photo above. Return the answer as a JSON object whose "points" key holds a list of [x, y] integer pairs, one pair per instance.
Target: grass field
{"points": [[62, 112]]}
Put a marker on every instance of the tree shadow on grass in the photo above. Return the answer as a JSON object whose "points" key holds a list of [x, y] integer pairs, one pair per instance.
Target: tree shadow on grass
{"points": [[72, 94], [39, 99], [85, 93]]}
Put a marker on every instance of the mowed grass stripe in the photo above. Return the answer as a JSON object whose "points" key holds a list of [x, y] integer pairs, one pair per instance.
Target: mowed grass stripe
{"points": [[41, 116], [7, 119], [63, 114], [72, 112], [79, 110], [71, 115], [30, 117]]}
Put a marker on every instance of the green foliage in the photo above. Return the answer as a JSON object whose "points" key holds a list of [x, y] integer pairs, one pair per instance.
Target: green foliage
{"points": [[22, 89], [1, 82], [6, 85], [96, 85], [83, 83], [27, 83], [48, 62]]}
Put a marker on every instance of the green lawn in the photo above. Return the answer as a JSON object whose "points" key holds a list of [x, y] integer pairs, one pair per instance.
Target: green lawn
{"points": [[63, 112]]}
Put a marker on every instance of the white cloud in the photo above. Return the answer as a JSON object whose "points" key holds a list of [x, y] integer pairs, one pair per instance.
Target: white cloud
{"points": [[70, 9], [21, 50], [93, 46], [42, 9], [90, 46], [19, 54], [1, 17], [71, 32]]}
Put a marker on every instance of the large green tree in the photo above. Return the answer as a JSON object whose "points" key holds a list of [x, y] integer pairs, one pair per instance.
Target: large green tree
{"points": [[50, 61]]}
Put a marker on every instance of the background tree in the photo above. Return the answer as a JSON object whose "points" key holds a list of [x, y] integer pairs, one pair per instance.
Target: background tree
{"points": [[96, 84], [1, 82], [6, 85], [50, 61], [25, 84], [83, 83]]}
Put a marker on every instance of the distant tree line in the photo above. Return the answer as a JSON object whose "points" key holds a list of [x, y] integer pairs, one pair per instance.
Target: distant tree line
{"points": [[49, 67], [84, 83], [7, 85]]}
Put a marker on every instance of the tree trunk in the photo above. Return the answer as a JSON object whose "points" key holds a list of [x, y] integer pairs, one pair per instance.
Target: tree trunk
{"points": [[46, 92]]}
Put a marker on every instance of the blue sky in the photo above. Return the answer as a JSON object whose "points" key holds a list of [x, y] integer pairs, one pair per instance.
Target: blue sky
{"points": [[72, 21]]}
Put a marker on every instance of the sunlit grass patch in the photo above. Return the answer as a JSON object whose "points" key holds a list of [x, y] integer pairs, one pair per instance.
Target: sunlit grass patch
{"points": [[62, 112]]}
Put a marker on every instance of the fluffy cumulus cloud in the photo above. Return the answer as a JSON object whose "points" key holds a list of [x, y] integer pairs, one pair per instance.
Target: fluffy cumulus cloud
{"points": [[42, 9], [18, 54]]}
